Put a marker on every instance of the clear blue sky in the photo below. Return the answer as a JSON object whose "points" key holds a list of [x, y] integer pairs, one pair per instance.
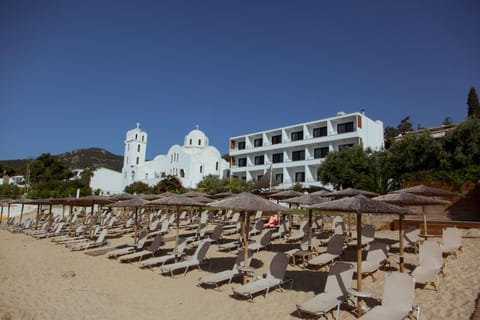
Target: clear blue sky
{"points": [[79, 74]]}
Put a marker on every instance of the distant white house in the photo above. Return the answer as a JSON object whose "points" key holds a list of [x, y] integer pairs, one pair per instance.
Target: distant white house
{"points": [[107, 181], [189, 163]]}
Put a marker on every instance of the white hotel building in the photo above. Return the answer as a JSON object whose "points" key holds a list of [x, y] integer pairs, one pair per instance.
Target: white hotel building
{"points": [[295, 152]]}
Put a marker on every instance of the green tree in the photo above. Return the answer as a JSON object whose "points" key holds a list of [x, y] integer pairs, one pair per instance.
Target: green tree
{"points": [[473, 104], [59, 189], [298, 187], [462, 145], [447, 121], [48, 168], [237, 185], [138, 188], [7, 170], [10, 191], [389, 135], [405, 125], [379, 177], [169, 183], [211, 184], [413, 154], [346, 168]]}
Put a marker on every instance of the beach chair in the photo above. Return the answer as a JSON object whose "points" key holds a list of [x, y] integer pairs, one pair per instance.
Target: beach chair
{"points": [[367, 235], [334, 251], [397, 299], [130, 248], [163, 259], [411, 239], [196, 260], [339, 281], [303, 230], [56, 232], [451, 241], [377, 256], [163, 229], [215, 236], [430, 264], [234, 230], [281, 232], [275, 278], [264, 241], [257, 228], [152, 250], [227, 275], [101, 241]]}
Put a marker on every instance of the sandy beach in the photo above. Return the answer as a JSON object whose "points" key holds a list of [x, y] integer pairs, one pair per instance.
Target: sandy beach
{"points": [[42, 280]]}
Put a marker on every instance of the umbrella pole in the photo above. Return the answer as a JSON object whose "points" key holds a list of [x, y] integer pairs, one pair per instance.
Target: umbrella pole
{"points": [[91, 220], [359, 263], [176, 234], [8, 213], [136, 227], [245, 243], [38, 215], [1, 215], [21, 213], [401, 234], [50, 217], [309, 229], [424, 220], [70, 225]]}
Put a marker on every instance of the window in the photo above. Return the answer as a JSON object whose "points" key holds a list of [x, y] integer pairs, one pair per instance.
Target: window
{"points": [[201, 169], [258, 142], [138, 160], [297, 135], [259, 177], [259, 160], [241, 145], [199, 142], [244, 178], [345, 127], [344, 146], [298, 155], [279, 177], [138, 148], [299, 176], [182, 173], [319, 153], [320, 132], [143, 138], [277, 157], [191, 141], [242, 162], [133, 175], [216, 165], [136, 136], [277, 139]]}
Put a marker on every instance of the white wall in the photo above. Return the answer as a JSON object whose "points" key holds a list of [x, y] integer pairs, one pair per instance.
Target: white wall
{"points": [[109, 181]]}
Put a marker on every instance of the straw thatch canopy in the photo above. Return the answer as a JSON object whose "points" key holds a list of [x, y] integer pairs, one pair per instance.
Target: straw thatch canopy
{"points": [[322, 193], [248, 202], [409, 199], [202, 199], [286, 194], [351, 192], [90, 201], [359, 204], [427, 191], [167, 194], [193, 194], [176, 200], [306, 199], [150, 197], [225, 194], [134, 202]]}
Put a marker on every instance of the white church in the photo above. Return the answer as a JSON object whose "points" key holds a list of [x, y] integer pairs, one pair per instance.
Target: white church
{"points": [[190, 163]]}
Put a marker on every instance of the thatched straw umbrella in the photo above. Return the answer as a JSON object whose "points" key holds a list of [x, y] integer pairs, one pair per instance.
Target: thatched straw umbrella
{"points": [[351, 192], [408, 199], [121, 196], [2, 202], [307, 200], [224, 194], [193, 194], [359, 204], [135, 202], [178, 201], [321, 193], [247, 203], [90, 201], [426, 191]]}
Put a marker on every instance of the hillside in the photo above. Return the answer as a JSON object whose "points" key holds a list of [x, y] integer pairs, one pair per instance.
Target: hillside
{"points": [[91, 158], [77, 159]]}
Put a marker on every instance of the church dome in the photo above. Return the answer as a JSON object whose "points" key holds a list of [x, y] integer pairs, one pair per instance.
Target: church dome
{"points": [[196, 138]]}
